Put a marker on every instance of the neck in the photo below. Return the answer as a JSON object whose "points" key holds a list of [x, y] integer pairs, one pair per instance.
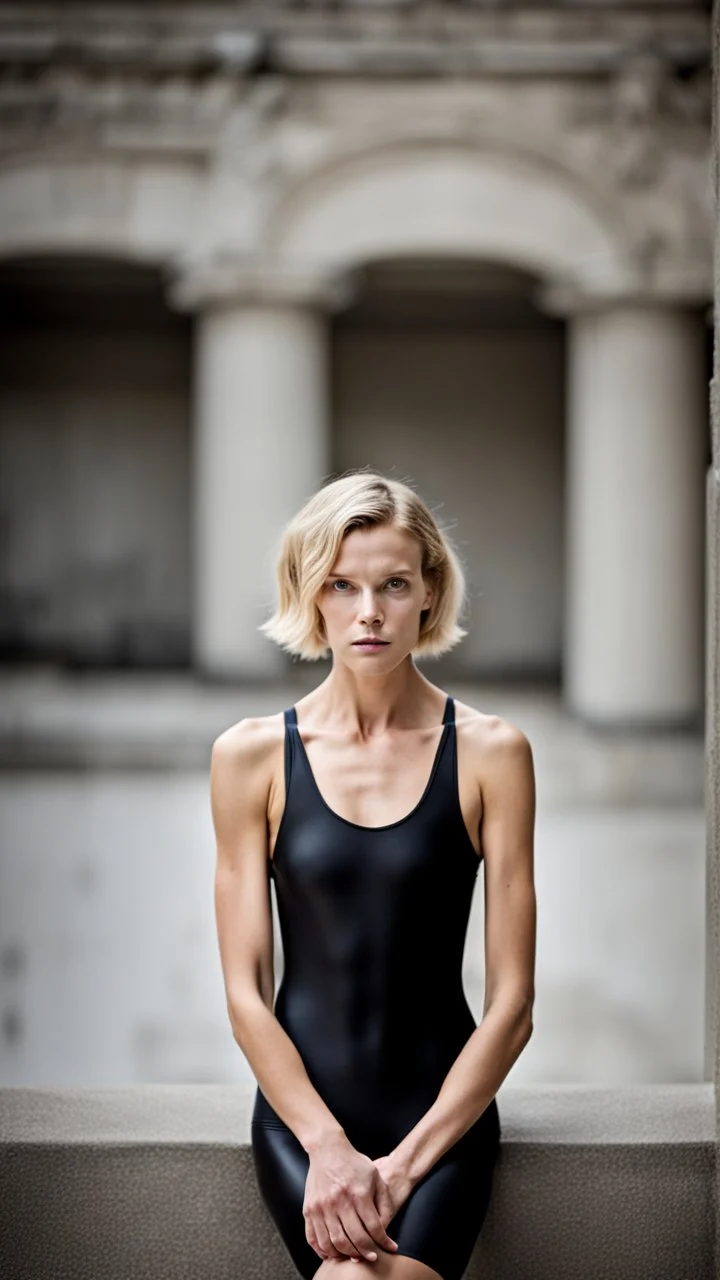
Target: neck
{"points": [[403, 698]]}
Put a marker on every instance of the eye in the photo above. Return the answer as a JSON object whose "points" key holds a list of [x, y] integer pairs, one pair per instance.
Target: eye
{"points": [[402, 581], [340, 582]]}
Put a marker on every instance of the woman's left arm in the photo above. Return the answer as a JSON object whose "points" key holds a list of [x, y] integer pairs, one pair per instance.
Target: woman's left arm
{"points": [[505, 767]]}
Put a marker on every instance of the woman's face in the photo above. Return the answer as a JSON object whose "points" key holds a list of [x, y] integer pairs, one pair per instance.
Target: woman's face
{"points": [[375, 588]]}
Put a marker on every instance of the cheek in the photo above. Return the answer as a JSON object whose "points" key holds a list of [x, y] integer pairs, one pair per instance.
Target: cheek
{"points": [[335, 607], [402, 615]]}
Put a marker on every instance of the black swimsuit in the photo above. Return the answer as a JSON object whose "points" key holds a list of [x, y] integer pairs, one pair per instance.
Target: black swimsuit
{"points": [[373, 923]]}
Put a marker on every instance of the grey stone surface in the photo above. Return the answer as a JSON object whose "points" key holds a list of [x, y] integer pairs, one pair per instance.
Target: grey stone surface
{"points": [[156, 1183], [547, 1115]]}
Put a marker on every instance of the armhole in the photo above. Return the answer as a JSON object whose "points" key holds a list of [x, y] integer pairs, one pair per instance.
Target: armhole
{"points": [[455, 774], [289, 720]]}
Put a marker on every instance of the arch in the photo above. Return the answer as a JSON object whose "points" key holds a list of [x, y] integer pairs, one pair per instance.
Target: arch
{"points": [[492, 200]]}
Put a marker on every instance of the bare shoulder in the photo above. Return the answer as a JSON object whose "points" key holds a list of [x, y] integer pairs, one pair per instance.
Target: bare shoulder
{"points": [[247, 752], [249, 740], [494, 743]]}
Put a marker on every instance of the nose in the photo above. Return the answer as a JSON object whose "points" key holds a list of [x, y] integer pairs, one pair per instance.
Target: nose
{"points": [[370, 611]]}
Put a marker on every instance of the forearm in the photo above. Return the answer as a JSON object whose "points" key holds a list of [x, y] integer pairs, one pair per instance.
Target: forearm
{"points": [[281, 1075], [468, 1088]]}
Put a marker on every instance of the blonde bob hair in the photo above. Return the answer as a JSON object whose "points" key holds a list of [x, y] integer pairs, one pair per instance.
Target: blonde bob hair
{"points": [[311, 543]]}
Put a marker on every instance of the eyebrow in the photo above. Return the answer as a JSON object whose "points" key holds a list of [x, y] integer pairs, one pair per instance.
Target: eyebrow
{"points": [[394, 573]]}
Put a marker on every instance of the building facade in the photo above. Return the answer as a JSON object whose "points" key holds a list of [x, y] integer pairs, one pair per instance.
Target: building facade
{"points": [[244, 247]]}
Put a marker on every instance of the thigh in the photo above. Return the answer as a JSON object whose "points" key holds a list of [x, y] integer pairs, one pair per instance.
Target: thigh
{"points": [[281, 1168], [441, 1219], [437, 1225]]}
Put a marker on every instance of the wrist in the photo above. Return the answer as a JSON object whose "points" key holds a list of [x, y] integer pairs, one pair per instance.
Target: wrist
{"points": [[414, 1155], [400, 1166], [322, 1136]]}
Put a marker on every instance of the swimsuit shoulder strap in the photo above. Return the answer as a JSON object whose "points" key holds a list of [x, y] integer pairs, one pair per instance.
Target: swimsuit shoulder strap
{"points": [[290, 718]]}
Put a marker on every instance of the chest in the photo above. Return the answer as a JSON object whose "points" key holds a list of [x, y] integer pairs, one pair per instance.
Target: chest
{"points": [[374, 785]]}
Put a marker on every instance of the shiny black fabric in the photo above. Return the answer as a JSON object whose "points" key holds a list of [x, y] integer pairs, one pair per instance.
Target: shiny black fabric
{"points": [[373, 923]]}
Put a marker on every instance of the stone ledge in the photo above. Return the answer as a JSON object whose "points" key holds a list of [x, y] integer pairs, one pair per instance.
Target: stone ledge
{"points": [[155, 1182], [219, 1114]]}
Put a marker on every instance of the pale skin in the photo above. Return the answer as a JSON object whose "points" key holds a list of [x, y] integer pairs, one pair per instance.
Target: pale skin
{"points": [[370, 731]]}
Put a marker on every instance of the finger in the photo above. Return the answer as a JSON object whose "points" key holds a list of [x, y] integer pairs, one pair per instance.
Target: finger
{"points": [[356, 1232], [327, 1248], [373, 1223], [313, 1241], [339, 1236]]}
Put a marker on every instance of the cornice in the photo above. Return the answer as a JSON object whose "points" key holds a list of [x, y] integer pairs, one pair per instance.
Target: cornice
{"points": [[222, 280], [352, 38], [676, 285]]}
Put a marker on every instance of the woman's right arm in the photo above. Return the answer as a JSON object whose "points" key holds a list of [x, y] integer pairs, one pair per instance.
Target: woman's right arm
{"points": [[347, 1202]]}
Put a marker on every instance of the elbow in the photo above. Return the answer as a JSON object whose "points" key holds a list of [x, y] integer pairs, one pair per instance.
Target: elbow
{"points": [[525, 1015], [243, 1010], [518, 1014], [520, 1018]]}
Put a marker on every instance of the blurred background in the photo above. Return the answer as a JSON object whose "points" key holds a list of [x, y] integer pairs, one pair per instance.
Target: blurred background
{"points": [[244, 247]]}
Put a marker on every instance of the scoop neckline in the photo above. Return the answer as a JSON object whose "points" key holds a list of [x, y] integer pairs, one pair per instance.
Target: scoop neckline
{"points": [[385, 826]]}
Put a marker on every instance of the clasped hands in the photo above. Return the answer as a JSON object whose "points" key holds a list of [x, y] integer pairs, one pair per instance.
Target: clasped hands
{"points": [[350, 1199]]}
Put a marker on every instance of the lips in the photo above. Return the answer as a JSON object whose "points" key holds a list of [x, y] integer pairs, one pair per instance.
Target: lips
{"points": [[369, 643]]}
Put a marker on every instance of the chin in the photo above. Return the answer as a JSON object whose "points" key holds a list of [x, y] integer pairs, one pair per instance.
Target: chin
{"points": [[375, 662]]}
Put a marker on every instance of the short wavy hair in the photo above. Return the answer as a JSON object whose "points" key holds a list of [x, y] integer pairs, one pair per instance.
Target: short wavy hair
{"points": [[310, 545]]}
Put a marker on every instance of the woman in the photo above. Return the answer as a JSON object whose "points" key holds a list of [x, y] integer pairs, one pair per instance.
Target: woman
{"points": [[375, 1127]]}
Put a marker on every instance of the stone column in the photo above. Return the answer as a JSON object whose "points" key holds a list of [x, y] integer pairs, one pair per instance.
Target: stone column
{"points": [[637, 439], [261, 447], [712, 716]]}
